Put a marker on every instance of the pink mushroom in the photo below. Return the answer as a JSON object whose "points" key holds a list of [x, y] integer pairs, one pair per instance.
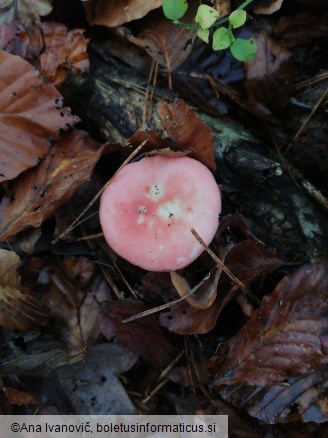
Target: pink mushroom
{"points": [[150, 206]]}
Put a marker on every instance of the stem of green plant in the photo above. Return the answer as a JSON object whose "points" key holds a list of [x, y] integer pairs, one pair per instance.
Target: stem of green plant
{"points": [[216, 24]]}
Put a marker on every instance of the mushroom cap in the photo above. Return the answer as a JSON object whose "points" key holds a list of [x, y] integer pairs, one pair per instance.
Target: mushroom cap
{"points": [[150, 206]]}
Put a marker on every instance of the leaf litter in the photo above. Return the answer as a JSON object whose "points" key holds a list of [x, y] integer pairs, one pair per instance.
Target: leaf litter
{"points": [[269, 361]]}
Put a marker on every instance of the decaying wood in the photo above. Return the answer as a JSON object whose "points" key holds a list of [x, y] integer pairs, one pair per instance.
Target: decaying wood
{"points": [[111, 101]]}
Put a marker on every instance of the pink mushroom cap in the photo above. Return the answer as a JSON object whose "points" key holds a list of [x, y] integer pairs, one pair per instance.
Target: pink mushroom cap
{"points": [[150, 206]]}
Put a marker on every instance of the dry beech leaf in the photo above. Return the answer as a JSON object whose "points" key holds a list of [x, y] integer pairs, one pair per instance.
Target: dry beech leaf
{"points": [[300, 399], [64, 50], [286, 337], [30, 113], [248, 260], [267, 7], [20, 398], [167, 43], [269, 77], [40, 191], [27, 11], [115, 12], [75, 289], [143, 337], [301, 28], [204, 296], [19, 309], [188, 131], [50, 48]]}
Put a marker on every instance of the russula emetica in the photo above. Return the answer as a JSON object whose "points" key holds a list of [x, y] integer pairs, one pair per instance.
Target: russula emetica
{"points": [[148, 209]]}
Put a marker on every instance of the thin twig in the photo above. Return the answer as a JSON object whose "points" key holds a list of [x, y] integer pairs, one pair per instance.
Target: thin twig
{"points": [[94, 199], [225, 269], [306, 121]]}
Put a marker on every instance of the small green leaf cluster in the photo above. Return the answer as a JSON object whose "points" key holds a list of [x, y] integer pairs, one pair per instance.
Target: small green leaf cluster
{"points": [[207, 18]]}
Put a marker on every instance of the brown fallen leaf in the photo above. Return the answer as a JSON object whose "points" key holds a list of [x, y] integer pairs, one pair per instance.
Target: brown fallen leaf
{"points": [[266, 7], [286, 337], [74, 291], [64, 50], [143, 337], [248, 260], [269, 77], [40, 191], [168, 44], [19, 309], [50, 48], [30, 113], [188, 131], [20, 398], [28, 12], [301, 28], [299, 399], [115, 12]]}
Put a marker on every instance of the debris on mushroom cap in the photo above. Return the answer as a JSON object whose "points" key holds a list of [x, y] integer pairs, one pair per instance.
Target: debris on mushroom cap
{"points": [[150, 206]]}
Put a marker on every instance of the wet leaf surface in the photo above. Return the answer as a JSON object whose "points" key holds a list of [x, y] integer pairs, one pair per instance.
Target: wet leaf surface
{"points": [[26, 11], [286, 336]]}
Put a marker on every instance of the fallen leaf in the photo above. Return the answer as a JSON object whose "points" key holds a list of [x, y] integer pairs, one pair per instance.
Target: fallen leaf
{"points": [[267, 7], [248, 260], [188, 131], [269, 77], [166, 43], [64, 50], [28, 12], [92, 385], [204, 296], [40, 191], [30, 113], [301, 28], [299, 399], [286, 337], [143, 336], [115, 12], [20, 310], [74, 291], [16, 397]]}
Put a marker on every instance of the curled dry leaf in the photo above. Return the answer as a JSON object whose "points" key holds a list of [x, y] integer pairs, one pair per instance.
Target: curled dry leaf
{"points": [[286, 337], [267, 7], [30, 113], [204, 296], [63, 51], [19, 309], [50, 48], [40, 191], [28, 12], [115, 12], [247, 260], [188, 131], [269, 77]]}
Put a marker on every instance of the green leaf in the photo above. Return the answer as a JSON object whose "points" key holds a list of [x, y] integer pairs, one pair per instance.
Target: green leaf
{"points": [[203, 34], [206, 16], [243, 50], [174, 9], [222, 38], [237, 18]]}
